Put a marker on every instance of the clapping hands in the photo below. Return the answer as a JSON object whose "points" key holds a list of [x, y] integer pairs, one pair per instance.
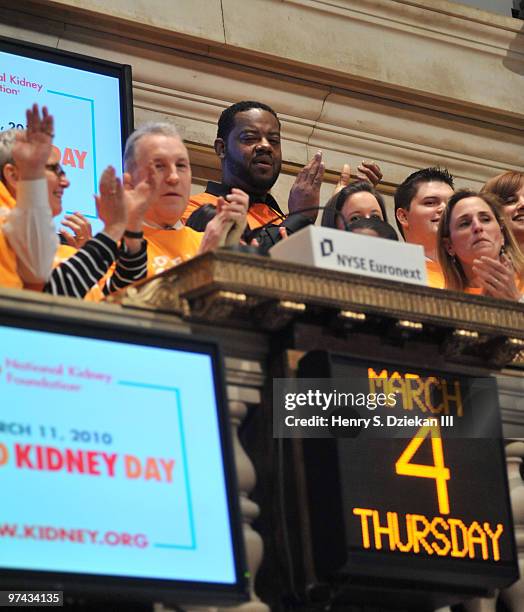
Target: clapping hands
{"points": [[226, 228], [304, 196], [496, 277]]}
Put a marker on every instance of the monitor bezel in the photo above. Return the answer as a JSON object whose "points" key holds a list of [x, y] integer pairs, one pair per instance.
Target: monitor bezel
{"points": [[88, 64], [143, 590]]}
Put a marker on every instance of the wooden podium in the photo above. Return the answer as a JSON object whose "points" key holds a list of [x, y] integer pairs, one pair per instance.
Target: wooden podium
{"points": [[267, 314]]}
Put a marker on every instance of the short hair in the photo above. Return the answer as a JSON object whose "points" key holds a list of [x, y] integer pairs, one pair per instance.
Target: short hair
{"points": [[200, 217], [226, 121], [336, 203], [505, 185], [407, 190], [151, 127], [454, 275], [382, 228], [7, 142]]}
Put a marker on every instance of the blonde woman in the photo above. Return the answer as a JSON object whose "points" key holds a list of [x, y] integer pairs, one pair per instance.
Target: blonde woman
{"points": [[477, 251]]}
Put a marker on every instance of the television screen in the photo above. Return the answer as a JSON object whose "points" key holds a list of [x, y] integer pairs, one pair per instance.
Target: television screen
{"points": [[91, 102], [115, 465]]}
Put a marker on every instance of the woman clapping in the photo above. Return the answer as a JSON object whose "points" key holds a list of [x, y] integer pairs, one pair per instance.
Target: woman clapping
{"points": [[477, 251]]}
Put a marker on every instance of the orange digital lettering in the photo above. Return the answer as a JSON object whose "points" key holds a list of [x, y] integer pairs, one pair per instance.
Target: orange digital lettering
{"points": [[409, 534], [444, 537], [477, 536], [455, 398], [372, 374], [414, 393], [437, 471], [378, 383], [364, 514], [429, 395], [419, 535], [398, 385], [494, 537], [455, 550], [378, 530], [441, 551]]}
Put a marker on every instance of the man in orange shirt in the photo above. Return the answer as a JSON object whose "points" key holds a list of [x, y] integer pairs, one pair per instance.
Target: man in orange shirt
{"points": [[158, 147], [419, 202], [248, 145]]}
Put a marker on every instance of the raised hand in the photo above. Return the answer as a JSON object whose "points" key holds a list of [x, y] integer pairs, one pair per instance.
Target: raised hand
{"points": [[80, 227], [496, 277], [33, 145], [139, 197], [369, 171], [110, 204], [343, 181], [304, 196]]}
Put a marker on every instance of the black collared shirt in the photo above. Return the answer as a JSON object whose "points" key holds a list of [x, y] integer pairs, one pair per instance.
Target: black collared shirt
{"points": [[222, 190], [269, 234]]}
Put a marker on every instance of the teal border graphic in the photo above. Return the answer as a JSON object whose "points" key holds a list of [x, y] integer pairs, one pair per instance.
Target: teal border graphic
{"points": [[176, 391], [93, 144]]}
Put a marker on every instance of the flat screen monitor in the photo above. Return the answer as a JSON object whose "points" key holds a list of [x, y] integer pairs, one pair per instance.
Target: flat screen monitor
{"points": [[116, 465], [91, 101]]}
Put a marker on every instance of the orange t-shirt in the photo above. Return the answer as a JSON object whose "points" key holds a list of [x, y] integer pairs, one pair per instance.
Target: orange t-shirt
{"points": [[259, 213], [435, 275], [169, 247], [63, 253], [8, 265], [7, 202]]}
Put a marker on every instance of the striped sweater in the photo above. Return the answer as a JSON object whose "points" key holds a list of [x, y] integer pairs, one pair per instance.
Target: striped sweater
{"points": [[78, 271]]}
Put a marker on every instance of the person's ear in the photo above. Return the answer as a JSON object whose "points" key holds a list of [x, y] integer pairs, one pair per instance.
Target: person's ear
{"points": [[220, 148], [447, 245], [402, 217], [10, 176]]}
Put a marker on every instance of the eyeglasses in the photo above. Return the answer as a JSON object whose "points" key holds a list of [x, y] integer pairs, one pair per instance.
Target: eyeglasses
{"points": [[56, 169]]}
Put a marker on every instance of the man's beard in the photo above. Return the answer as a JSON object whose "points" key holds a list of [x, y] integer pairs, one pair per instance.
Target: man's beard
{"points": [[256, 184]]}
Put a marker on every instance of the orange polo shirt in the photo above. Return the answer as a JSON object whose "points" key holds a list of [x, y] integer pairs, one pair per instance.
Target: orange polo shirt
{"points": [[435, 275], [259, 213], [8, 265], [7, 202], [169, 247]]}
